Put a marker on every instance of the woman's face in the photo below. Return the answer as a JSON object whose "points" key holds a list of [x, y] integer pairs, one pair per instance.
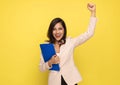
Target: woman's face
{"points": [[58, 31]]}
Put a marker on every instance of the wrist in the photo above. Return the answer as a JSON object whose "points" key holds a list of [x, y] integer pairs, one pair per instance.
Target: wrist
{"points": [[50, 63], [93, 14]]}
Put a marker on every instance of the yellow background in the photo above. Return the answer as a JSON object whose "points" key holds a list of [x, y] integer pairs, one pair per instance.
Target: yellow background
{"points": [[24, 24]]}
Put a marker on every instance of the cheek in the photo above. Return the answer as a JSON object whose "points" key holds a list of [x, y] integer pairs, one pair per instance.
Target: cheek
{"points": [[62, 31], [53, 32]]}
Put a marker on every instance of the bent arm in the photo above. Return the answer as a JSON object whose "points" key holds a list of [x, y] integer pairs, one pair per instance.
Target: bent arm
{"points": [[43, 66], [91, 27], [88, 34]]}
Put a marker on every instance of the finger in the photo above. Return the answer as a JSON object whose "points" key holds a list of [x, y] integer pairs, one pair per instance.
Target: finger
{"points": [[57, 60], [54, 56], [91, 5]]}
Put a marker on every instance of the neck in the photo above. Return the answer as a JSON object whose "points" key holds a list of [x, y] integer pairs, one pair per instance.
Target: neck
{"points": [[56, 43]]}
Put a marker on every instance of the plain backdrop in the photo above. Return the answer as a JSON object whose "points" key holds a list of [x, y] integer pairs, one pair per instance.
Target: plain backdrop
{"points": [[24, 25]]}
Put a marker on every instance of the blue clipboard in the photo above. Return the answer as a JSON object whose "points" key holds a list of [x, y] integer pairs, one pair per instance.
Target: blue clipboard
{"points": [[47, 52]]}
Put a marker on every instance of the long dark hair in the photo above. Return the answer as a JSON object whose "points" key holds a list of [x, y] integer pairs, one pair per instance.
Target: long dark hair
{"points": [[50, 31]]}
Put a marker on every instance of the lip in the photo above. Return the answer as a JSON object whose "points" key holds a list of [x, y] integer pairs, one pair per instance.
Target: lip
{"points": [[57, 36]]}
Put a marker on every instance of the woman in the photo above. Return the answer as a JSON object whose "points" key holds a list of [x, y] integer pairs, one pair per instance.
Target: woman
{"points": [[64, 47]]}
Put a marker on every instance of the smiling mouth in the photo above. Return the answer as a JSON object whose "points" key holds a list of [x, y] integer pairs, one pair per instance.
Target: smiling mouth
{"points": [[58, 35]]}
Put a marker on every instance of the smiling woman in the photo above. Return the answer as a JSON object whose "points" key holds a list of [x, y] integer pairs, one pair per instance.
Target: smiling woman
{"points": [[57, 31], [64, 47], [23, 26]]}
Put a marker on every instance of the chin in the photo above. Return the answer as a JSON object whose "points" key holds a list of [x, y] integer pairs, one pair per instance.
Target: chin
{"points": [[58, 39]]}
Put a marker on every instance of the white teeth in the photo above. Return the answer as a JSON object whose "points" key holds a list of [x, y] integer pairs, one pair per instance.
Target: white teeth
{"points": [[57, 35]]}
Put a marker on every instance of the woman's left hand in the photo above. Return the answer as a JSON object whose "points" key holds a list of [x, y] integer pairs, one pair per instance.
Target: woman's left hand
{"points": [[91, 7]]}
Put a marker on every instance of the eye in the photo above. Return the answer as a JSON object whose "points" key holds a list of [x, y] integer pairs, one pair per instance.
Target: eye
{"points": [[54, 29], [60, 28]]}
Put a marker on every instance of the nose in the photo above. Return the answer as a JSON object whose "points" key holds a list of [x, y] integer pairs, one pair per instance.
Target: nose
{"points": [[57, 31]]}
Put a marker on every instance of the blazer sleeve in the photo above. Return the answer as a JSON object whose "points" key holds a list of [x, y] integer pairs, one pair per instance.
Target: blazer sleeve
{"points": [[43, 66], [86, 35]]}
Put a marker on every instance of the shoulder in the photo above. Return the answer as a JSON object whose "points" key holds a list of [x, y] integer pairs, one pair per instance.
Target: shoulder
{"points": [[69, 39], [45, 43]]}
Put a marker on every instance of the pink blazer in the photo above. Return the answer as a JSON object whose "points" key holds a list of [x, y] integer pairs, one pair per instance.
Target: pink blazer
{"points": [[67, 67]]}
